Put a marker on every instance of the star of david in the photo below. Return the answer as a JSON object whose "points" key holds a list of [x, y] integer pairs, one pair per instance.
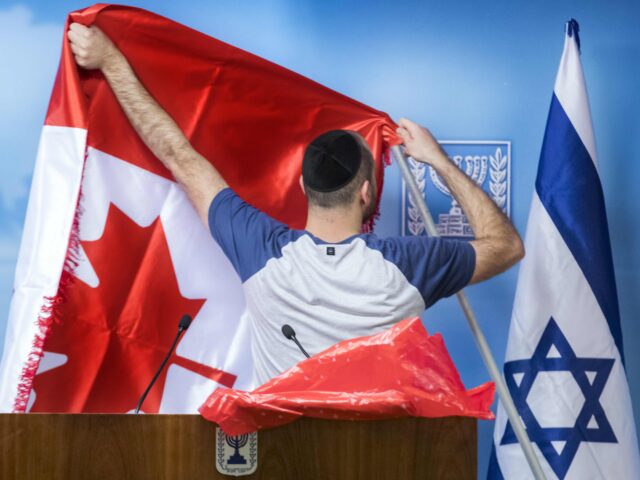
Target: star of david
{"points": [[590, 413]]}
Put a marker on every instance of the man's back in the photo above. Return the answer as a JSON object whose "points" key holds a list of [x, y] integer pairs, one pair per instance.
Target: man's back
{"points": [[328, 292]]}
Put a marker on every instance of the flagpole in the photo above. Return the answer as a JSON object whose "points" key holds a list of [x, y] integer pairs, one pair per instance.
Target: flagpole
{"points": [[481, 342]]}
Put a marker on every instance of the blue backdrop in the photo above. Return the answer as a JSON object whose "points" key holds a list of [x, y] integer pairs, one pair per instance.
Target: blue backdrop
{"points": [[468, 70]]}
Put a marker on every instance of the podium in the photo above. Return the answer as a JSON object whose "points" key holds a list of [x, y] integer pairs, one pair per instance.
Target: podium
{"points": [[158, 447]]}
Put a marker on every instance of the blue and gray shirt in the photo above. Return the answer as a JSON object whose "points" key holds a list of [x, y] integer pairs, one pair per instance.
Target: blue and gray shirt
{"points": [[328, 292]]}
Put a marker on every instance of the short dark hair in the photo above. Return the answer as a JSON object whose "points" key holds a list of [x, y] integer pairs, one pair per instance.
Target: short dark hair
{"points": [[344, 196]]}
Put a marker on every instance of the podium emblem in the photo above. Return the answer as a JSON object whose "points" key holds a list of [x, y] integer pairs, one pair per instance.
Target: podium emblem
{"points": [[488, 163], [236, 455]]}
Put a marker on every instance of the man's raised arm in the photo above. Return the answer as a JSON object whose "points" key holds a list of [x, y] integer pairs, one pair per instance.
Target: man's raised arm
{"points": [[497, 244], [201, 181]]}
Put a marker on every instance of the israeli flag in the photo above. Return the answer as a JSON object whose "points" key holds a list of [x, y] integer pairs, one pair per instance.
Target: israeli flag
{"points": [[564, 363]]}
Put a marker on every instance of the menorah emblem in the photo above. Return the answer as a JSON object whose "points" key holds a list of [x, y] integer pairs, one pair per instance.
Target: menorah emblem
{"points": [[475, 167], [236, 455], [237, 443], [487, 163]]}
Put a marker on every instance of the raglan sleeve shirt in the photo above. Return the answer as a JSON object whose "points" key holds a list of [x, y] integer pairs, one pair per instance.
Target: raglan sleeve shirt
{"points": [[436, 267]]}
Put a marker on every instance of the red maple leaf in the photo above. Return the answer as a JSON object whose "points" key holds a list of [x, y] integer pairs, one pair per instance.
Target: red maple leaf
{"points": [[116, 335]]}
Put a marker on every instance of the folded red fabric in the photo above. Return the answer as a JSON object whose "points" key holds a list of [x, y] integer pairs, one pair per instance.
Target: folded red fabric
{"points": [[401, 372]]}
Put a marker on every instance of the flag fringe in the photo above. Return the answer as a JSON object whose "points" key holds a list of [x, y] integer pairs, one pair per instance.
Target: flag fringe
{"points": [[371, 223], [49, 313]]}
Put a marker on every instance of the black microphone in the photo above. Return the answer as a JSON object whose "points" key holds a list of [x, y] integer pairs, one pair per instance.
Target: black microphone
{"points": [[290, 333], [183, 324]]}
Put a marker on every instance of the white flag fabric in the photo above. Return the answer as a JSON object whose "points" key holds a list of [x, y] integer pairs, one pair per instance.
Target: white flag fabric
{"points": [[564, 363]]}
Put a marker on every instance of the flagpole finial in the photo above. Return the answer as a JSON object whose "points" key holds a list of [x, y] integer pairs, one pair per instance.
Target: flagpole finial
{"points": [[573, 29]]}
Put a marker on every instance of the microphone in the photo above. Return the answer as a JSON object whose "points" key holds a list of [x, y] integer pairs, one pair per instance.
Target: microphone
{"points": [[290, 334], [183, 324]]}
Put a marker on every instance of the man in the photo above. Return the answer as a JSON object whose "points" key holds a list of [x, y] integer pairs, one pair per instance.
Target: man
{"points": [[329, 281]]}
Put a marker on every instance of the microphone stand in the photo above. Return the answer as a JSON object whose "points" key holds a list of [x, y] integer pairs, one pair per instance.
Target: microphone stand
{"points": [[185, 321]]}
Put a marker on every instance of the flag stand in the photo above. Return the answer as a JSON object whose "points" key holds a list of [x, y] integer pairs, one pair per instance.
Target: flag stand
{"points": [[479, 337]]}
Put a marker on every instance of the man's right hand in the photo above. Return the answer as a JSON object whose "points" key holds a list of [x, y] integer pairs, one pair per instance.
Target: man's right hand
{"points": [[91, 48]]}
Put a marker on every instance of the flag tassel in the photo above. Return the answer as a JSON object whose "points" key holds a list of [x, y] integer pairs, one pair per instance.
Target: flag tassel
{"points": [[49, 313]]}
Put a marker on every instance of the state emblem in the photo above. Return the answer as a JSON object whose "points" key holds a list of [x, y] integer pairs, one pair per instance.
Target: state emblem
{"points": [[488, 163], [236, 455]]}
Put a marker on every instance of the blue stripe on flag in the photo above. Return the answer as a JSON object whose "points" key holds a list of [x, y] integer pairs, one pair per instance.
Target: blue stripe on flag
{"points": [[494, 472], [569, 188]]}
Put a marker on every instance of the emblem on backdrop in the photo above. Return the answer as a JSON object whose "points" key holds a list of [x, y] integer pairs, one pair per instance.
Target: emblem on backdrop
{"points": [[236, 455], [488, 163]]}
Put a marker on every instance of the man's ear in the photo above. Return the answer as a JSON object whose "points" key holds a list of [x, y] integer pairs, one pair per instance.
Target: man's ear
{"points": [[301, 182], [365, 193]]}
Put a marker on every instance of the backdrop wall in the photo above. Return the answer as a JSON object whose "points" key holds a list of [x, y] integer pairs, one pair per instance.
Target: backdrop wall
{"points": [[467, 70]]}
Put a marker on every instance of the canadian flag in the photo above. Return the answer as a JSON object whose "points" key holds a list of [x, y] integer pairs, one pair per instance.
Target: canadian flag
{"points": [[113, 254]]}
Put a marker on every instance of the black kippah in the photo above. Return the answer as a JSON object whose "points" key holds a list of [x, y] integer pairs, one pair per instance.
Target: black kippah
{"points": [[331, 161]]}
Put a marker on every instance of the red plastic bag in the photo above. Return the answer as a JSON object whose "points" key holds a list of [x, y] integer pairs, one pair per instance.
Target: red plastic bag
{"points": [[397, 373]]}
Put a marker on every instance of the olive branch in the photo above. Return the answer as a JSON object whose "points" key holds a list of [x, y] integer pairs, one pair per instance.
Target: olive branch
{"points": [[415, 223], [498, 182], [221, 441]]}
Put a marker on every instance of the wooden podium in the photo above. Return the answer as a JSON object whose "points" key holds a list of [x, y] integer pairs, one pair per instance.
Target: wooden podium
{"points": [[122, 447]]}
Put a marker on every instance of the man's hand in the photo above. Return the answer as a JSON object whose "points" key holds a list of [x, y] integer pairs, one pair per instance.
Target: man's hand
{"points": [[497, 244], [91, 48], [419, 143]]}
